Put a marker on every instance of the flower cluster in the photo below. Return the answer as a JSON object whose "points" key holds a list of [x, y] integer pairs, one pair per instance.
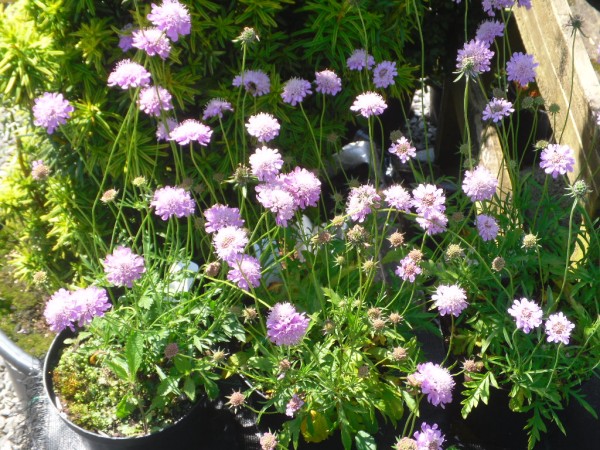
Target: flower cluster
{"points": [[65, 309]]}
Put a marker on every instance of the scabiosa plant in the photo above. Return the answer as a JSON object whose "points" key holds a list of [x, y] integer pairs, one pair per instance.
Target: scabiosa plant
{"points": [[527, 314], [361, 201], [50, 110], [489, 30], [303, 186], [359, 59], [123, 267], [172, 201], [191, 130], [450, 299], [66, 309], [434, 222], [215, 108], [429, 438], [285, 326], [428, 198], [219, 216], [558, 328], [328, 82], [230, 242], [521, 68], [403, 149], [398, 197], [245, 271], [268, 441], [128, 74], [274, 197], [408, 269], [125, 37], [266, 163], [384, 73], [436, 382], [490, 5], [154, 99], [172, 18], [557, 159], [153, 41], [497, 109], [487, 227], [255, 82], [163, 129], [479, 184], [294, 91], [369, 104], [293, 405], [39, 170], [263, 127], [474, 58]]}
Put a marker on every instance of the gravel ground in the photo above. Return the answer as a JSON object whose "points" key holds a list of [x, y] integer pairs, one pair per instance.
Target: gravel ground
{"points": [[13, 421]]}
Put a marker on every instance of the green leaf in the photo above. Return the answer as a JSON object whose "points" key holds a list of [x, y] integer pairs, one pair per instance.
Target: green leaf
{"points": [[364, 441], [189, 388], [476, 390], [134, 348], [119, 367], [410, 402], [126, 406], [145, 301]]}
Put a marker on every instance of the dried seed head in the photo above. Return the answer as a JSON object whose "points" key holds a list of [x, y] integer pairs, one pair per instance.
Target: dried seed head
{"points": [[171, 350], [340, 260], [212, 269], [249, 314], [396, 239], [219, 356], [413, 381], [457, 217], [471, 366], [374, 313], [321, 238], [498, 264], [328, 327], [395, 135], [530, 241], [268, 441], [40, 277], [378, 325], [368, 266], [284, 365], [395, 318], [399, 353], [139, 181], [358, 236], [407, 444], [454, 251], [363, 371], [109, 196], [337, 221], [39, 170], [236, 400]]}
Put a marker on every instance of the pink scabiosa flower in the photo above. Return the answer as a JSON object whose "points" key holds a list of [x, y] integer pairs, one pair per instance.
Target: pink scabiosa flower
{"points": [[427, 198], [266, 163], [219, 216], [359, 59], [125, 38], [384, 73], [479, 184], [408, 269], [487, 227], [274, 197], [474, 58], [285, 326], [429, 438], [215, 108], [51, 110], [123, 267], [152, 41], [450, 299], [558, 328], [154, 99], [191, 130], [436, 381], [163, 130], [527, 314], [263, 127], [490, 5], [403, 149], [294, 91], [328, 82], [497, 109], [229, 242], [521, 68], [172, 201], [369, 104], [303, 186], [434, 222], [268, 441], [489, 30], [255, 82], [61, 311], [171, 17], [39, 170], [398, 197], [557, 160], [245, 271], [128, 74], [293, 405], [360, 202], [90, 302]]}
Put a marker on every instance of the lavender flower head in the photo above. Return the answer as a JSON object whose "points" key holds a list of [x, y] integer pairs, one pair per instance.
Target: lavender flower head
{"points": [[408, 269], [191, 130], [152, 41], [558, 328], [490, 5], [128, 74], [276, 198], [266, 163], [436, 382], [285, 326], [220, 216], [245, 271], [163, 130], [268, 441], [429, 438], [384, 73], [125, 38], [427, 198], [487, 227], [263, 127], [489, 30], [90, 302], [171, 17], [359, 60], [65, 309], [172, 201], [497, 109], [474, 58], [557, 160], [398, 197], [255, 82], [123, 267], [450, 299], [434, 222], [303, 186], [521, 68], [527, 314], [51, 110], [328, 82], [154, 99], [479, 184], [361, 201], [293, 405], [230, 242], [369, 104], [294, 91], [39, 170], [403, 149], [215, 108]]}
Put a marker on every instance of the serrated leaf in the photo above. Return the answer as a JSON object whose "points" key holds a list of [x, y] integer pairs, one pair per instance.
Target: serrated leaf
{"points": [[410, 402], [126, 406], [364, 441], [476, 390], [134, 348], [145, 301], [119, 367], [189, 388]]}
